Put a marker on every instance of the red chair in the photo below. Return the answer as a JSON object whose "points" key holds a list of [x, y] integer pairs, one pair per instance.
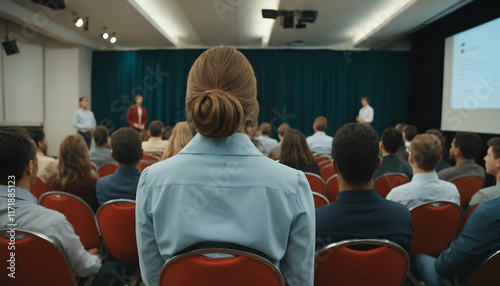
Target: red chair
{"points": [[150, 157], [93, 167], [316, 183], [487, 272], [467, 186], [107, 169], [434, 227], [327, 172], [466, 217], [321, 158], [384, 184], [340, 264], [244, 269], [324, 163], [146, 163], [78, 213], [38, 261], [319, 200], [39, 188], [116, 219], [332, 188]]}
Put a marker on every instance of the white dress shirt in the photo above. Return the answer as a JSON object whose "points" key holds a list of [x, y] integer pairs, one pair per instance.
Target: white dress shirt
{"points": [[366, 113], [46, 166], [268, 143], [321, 143], [154, 145]]}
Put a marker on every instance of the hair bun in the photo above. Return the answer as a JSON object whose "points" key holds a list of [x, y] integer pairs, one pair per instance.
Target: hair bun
{"points": [[216, 113]]}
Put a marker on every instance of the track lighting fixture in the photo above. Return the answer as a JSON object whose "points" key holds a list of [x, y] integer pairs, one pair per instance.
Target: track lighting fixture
{"points": [[112, 40], [77, 20], [105, 35], [86, 27]]}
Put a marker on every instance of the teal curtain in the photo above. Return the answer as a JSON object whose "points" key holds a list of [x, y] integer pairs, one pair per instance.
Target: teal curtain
{"points": [[294, 86]]}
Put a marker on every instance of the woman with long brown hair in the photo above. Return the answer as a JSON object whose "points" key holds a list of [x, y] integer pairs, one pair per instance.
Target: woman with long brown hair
{"points": [[208, 192], [73, 171], [296, 154], [181, 135]]}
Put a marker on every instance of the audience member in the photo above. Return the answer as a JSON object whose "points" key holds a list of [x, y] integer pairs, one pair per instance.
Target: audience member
{"points": [[267, 142], [400, 127], [478, 240], [359, 212], [18, 167], [84, 120], [465, 147], [282, 129], [46, 165], [492, 163], [296, 154], [155, 143], [250, 132], [409, 132], [441, 164], [425, 187], [197, 196], [167, 132], [390, 142], [101, 153], [127, 150], [73, 171], [319, 142], [181, 135]]}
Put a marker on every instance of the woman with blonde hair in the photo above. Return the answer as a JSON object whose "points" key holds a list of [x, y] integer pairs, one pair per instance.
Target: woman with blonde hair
{"points": [[207, 193], [181, 135], [73, 171]]}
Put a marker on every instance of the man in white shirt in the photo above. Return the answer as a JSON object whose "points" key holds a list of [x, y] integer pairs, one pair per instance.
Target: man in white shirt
{"points": [[366, 113], [84, 120], [46, 165], [267, 142], [425, 186], [155, 143], [492, 164], [319, 142]]}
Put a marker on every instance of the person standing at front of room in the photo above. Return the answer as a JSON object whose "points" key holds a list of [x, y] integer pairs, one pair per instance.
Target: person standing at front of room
{"points": [[84, 120], [366, 113], [137, 115]]}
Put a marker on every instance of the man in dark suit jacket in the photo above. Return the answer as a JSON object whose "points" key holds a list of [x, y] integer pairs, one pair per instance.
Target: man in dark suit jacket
{"points": [[137, 115], [390, 141], [126, 148], [359, 212]]}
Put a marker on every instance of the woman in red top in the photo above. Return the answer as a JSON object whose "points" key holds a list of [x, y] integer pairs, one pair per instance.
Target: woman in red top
{"points": [[73, 171], [137, 115]]}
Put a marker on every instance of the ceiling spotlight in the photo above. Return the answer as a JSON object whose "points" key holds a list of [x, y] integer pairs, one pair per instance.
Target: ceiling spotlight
{"points": [[86, 27], [77, 20], [105, 34], [113, 39]]}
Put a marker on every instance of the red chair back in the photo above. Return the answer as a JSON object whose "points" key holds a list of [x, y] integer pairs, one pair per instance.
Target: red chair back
{"points": [[324, 163], [150, 157], [434, 227], [487, 272], [38, 189], [319, 200], [340, 264], [116, 219], [332, 188], [384, 184], [38, 261], [321, 158], [78, 213], [467, 186], [107, 169], [327, 171], [466, 217], [244, 269], [316, 183], [93, 167]]}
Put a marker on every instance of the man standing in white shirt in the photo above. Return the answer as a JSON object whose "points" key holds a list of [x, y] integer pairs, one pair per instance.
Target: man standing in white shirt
{"points": [[84, 120], [319, 142], [366, 113]]}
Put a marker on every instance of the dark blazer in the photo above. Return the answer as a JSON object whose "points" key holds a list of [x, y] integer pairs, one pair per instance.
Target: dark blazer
{"points": [[133, 115], [393, 164], [120, 185], [363, 214]]}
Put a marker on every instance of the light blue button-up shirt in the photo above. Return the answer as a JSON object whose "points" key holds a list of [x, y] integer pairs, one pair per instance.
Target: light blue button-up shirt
{"points": [[424, 188], [83, 118], [33, 217], [321, 143], [225, 190], [268, 143]]}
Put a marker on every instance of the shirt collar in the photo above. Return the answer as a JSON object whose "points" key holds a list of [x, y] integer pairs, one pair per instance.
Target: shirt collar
{"points": [[237, 144], [468, 162], [151, 139], [320, 133], [127, 170], [369, 194], [425, 177], [22, 196]]}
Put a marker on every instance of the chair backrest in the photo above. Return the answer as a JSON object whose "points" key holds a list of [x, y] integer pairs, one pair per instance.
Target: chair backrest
{"points": [[434, 227], [38, 260], [467, 186], [243, 269], [384, 184], [107, 169], [319, 200], [324, 163], [116, 219], [316, 183], [361, 262], [488, 272], [39, 188], [465, 218], [93, 167], [332, 188], [327, 172], [321, 158], [78, 213]]}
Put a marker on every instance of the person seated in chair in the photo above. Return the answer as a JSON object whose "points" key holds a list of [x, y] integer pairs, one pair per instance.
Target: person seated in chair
{"points": [[359, 212], [276, 151], [464, 149], [389, 144], [46, 165], [268, 142], [492, 163], [425, 187], [101, 153], [155, 144], [319, 142]]}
